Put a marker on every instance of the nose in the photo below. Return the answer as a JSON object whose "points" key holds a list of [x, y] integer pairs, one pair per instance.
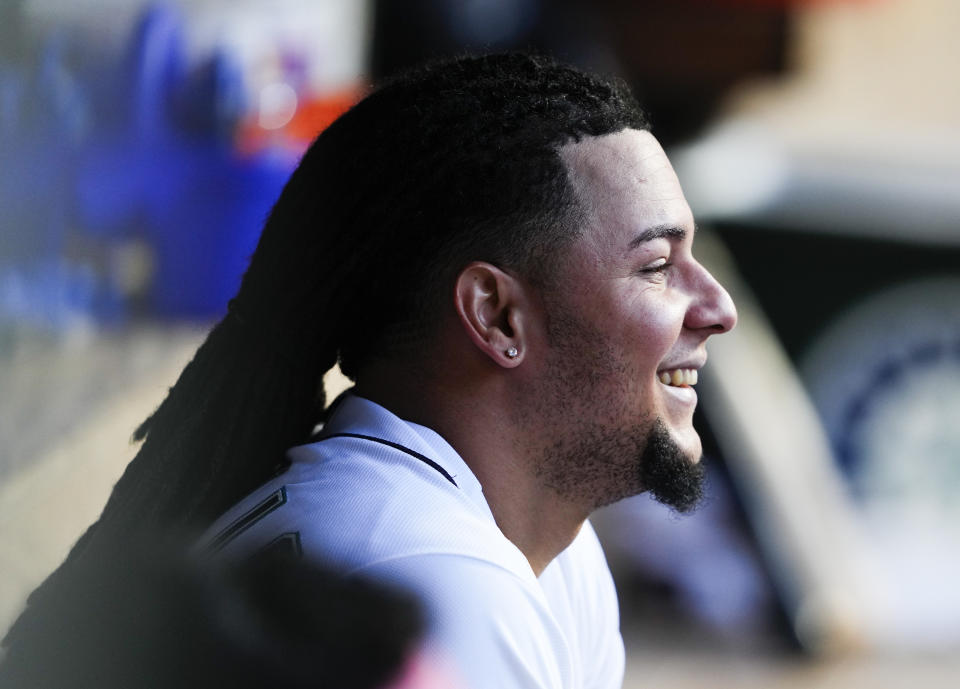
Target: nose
{"points": [[711, 308]]}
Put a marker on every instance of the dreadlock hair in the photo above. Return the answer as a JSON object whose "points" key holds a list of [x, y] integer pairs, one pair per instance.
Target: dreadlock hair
{"points": [[452, 162]]}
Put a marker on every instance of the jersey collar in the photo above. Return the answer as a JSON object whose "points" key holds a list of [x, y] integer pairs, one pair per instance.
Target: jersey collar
{"points": [[355, 414]]}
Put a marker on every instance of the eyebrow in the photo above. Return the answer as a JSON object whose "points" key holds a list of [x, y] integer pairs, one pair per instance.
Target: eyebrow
{"points": [[657, 232]]}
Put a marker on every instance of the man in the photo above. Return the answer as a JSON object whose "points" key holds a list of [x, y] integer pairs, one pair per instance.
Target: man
{"points": [[499, 253], [465, 466]]}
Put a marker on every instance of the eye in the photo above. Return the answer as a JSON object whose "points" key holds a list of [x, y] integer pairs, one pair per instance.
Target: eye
{"points": [[658, 268]]}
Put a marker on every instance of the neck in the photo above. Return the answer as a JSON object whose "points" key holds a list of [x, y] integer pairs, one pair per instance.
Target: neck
{"points": [[531, 515]]}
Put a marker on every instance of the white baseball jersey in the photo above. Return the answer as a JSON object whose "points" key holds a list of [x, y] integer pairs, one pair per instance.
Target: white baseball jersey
{"points": [[382, 497]]}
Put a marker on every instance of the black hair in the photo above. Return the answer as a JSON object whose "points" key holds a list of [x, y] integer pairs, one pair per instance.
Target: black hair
{"points": [[452, 162]]}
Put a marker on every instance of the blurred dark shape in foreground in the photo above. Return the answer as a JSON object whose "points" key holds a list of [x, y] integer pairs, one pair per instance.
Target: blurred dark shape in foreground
{"points": [[144, 621]]}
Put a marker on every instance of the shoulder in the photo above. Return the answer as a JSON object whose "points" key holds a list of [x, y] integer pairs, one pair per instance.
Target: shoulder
{"points": [[352, 503], [582, 570], [494, 625], [371, 510], [503, 627], [582, 594]]}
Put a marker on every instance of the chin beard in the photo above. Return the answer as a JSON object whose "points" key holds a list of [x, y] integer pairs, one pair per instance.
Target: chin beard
{"points": [[670, 476]]}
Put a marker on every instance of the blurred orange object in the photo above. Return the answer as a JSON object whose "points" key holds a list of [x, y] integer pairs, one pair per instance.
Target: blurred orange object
{"points": [[312, 116]]}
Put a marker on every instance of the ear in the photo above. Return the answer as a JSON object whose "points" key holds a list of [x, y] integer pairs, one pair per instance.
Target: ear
{"points": [[492, 307]]}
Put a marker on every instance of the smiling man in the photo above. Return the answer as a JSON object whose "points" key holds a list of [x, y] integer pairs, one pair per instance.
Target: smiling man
{"points": [[628, 315], [499, 253]]}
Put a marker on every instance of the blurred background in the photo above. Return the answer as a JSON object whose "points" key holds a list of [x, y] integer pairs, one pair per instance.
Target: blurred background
{"points": [[818, 141]]}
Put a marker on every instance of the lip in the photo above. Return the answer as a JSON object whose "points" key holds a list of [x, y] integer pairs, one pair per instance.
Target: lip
{"points": [[689, 363], [686, 395]]}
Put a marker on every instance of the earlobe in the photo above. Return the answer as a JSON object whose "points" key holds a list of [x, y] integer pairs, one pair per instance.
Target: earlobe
{"points": [[488, 302]]}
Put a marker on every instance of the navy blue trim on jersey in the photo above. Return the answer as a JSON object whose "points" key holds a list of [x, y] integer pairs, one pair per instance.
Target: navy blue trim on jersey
{"points": [[261, 510], [396, 446]]}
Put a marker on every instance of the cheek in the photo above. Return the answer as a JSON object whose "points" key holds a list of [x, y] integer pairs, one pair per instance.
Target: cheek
{"points": [[638, 341], [654, 330]]}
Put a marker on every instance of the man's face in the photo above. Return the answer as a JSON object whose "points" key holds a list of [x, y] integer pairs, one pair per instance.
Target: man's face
{"points": [[627, 318]]}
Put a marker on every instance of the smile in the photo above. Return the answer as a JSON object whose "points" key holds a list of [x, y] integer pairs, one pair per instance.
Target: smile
{"points": [[678, 377]]}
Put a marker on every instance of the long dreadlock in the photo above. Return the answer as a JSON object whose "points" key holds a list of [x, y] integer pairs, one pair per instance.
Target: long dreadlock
{"points": [[453, 162]]}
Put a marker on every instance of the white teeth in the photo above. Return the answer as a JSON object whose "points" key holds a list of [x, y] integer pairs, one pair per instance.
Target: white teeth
{"points": [[679, 377]]}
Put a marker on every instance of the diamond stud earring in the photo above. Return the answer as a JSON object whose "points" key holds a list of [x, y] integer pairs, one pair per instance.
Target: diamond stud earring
{"points": [[512, 353]]}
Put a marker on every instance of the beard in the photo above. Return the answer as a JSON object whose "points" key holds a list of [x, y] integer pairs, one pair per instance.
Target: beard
{"points": [[594, 448], [601, 465], [668, 474]]}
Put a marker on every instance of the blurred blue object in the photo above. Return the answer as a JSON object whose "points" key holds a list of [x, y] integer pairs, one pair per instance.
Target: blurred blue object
{"points": [[204, 240], [169, 171], [96, 159], [42, 119]]}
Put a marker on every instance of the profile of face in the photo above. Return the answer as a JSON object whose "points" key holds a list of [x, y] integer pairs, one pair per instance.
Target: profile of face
{"points": [[627, 317]]}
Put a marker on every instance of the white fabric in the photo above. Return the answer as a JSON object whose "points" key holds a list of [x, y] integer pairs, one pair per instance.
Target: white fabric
{"points": [[371, 509]]}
